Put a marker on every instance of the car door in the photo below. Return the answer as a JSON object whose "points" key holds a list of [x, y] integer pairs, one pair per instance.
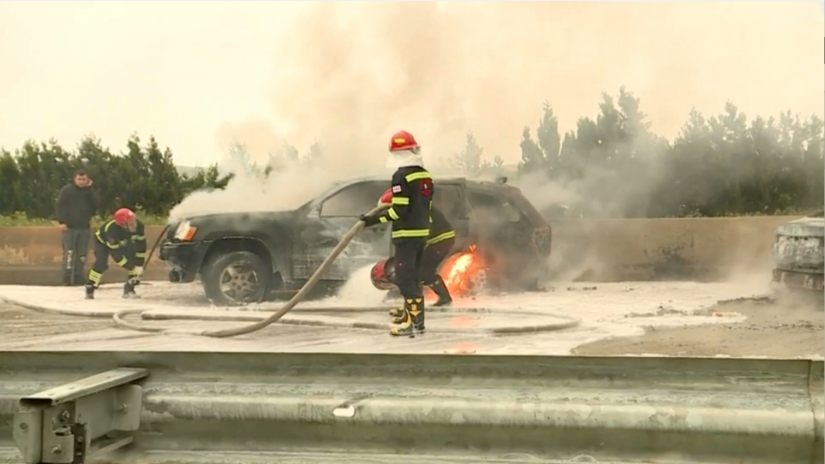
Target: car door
{"points": [[328, 222], [451, 200], [503, 233]]}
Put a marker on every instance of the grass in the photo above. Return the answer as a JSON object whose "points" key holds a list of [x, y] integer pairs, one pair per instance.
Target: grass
{"points": [[21, 220]]}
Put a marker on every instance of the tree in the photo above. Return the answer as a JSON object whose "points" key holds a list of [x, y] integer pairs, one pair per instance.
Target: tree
{"points": [[166, 187], [532, 157], [610, 162], [469, 160], [812, 163], [549, 141], [314, 155], [12, 198], [44, 170]]}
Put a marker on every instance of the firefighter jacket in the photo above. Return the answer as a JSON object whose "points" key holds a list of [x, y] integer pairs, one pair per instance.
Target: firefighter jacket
{"points": [[128, 249], [412, 195], [440, 228]]}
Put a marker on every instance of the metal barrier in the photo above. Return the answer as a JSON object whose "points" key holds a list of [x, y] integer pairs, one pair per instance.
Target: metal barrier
{"points": [[315, 407]]}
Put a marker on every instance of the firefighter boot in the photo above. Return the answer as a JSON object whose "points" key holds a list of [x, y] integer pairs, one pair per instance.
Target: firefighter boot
{"points": [[396, 313], [440, 289], [129, 288], [412, 321], [90, 291]]}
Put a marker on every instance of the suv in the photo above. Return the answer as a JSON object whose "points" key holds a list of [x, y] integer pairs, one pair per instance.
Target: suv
{"points": [[798, 254], [250, 256]]}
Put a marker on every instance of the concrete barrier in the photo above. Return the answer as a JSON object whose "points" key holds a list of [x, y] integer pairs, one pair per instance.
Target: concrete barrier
{"points": [[32, 255], [653, 249], [583, 249]]}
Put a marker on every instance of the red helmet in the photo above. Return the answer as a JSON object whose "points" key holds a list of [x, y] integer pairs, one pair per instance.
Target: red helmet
{"points": [[383, 274], [123, 216], [386, 197], [403, 140]]}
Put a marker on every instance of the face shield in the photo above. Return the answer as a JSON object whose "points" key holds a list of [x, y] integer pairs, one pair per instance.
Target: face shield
{"points": [[399, 159]]}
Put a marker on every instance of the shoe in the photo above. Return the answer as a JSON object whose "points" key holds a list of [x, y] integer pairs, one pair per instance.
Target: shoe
{"points": [[129, 289], [90, 292], [440, 289], [411, 321]]}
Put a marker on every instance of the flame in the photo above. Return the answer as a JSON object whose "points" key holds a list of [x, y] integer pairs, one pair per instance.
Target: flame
{"points": [[460, 270]]}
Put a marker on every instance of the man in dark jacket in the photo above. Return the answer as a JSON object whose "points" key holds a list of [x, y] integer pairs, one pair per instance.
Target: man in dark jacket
{"points": [[412, 195], [77, 202], [124, 239]]}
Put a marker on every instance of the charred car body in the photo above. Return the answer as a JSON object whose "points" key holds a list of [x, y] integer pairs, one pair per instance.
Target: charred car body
{"points": [[799, 254], [250, 256]]}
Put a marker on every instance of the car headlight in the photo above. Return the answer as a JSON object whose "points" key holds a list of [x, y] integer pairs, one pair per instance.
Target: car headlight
{"points": [[185, 231]]}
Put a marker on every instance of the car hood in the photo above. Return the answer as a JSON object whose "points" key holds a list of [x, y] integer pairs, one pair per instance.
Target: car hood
{"points": [[239, 220], [805, 227]]}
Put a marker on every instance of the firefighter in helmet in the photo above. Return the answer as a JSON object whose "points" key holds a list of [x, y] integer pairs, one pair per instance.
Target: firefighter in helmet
{"points": [[123, 238], [412, 194], [439, 244]]}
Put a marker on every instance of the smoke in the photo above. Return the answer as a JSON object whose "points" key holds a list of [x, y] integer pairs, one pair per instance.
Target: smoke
{"points": [[274, 183], [350, 74], [353, 73]]}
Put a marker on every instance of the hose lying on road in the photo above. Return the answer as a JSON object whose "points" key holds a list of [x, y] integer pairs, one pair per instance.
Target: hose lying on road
{"points": [[297, 298]]}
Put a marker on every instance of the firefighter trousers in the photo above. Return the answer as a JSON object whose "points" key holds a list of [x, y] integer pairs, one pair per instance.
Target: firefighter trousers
{"points": [[409, 254], [101, 263], [433, 257]]}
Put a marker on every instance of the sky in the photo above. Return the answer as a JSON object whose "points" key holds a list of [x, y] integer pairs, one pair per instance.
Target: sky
{"points": [[202, 75]]}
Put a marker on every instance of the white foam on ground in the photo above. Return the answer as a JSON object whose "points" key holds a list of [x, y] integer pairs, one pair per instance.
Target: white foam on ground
{"points": [[605, 309]]}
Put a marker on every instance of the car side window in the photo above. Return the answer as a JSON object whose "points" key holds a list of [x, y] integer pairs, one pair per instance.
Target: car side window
{"points": [[353, 200], [491, 208], [448, 200]]}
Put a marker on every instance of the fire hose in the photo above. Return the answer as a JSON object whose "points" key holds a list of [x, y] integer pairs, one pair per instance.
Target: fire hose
{"points": [[118, 320]]}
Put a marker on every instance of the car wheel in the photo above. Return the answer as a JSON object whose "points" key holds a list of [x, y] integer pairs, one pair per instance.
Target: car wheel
{"points": [[236, 278]]}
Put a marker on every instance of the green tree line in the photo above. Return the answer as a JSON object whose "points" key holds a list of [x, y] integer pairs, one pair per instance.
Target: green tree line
{"points": [[723, 165], [612, 165], [143, 178]]}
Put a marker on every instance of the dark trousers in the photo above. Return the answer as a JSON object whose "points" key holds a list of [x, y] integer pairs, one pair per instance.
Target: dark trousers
{"points": [[101, 264], [75, 246], [408, 259], [433, 256]]}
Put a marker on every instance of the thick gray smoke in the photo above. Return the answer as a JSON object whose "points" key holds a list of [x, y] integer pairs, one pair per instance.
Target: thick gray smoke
{"points": [[353, 73]]}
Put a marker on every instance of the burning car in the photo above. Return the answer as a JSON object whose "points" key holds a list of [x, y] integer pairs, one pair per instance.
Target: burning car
{"points": [[799, 254], [250, 256]]}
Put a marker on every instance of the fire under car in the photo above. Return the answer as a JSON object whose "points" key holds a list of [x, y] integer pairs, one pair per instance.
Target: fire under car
{"points": [[502, 242]]}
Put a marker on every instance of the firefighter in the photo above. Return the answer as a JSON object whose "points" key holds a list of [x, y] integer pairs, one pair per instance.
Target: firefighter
{"points": [[123, 238], [439, 244], [412, 194]]}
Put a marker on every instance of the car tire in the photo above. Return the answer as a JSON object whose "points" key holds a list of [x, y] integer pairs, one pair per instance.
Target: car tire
{"points": [[237, 277]]}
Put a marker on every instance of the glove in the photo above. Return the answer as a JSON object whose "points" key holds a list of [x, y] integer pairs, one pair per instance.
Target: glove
{"points": [[368, 220], [138, 271]]}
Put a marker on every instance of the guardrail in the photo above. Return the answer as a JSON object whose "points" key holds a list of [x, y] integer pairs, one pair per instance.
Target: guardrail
{"points": [[260, 407]]}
